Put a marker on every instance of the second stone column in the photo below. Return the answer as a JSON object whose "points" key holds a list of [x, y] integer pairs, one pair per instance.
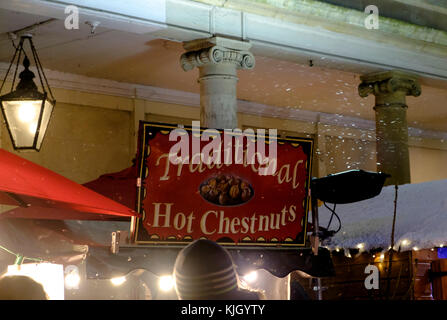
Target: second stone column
{"points": [[218, 60]]}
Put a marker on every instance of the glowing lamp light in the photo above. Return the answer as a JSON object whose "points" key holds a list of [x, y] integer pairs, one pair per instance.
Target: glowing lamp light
{"points": [[405, 242], [72, 281], [50, 275], [251, 276], [166, 283], [72, 278], [361, 246], [118, 281], [27, 111]]}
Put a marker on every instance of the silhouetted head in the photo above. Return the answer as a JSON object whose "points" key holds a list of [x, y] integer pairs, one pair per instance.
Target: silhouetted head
{"points": [[21, 288]]}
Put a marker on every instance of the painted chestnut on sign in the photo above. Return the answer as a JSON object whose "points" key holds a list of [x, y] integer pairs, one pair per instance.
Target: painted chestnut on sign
{"points": [[226, 190]]}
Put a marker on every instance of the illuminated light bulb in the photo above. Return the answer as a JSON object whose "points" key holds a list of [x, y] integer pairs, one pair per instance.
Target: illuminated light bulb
{"points": [[27, 111], [415, 248], [337, 249], [166, 283], [72, 278], [361, 246], [382, 257], [441, 245], [72, 281], [251, 276], [118, 281], [405, 242]]}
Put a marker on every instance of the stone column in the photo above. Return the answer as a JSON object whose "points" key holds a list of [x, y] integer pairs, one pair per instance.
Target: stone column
{"points": [[218, 60], [390, 89]]}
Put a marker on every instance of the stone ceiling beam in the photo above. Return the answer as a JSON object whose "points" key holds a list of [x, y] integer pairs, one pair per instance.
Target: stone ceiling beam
{"points": [[334, 37]]}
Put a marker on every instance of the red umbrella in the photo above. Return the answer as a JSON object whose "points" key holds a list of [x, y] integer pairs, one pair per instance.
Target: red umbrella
{"points": [[24, 183]]}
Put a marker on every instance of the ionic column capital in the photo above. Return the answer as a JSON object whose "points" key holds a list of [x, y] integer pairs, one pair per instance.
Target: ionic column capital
{"points": [[389, 83], [217, 51]]}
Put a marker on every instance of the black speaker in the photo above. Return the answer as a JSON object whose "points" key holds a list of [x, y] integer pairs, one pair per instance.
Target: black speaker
{"points": [[348, 186]]}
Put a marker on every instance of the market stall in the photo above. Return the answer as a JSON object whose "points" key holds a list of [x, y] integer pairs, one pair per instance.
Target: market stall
{"points": [[365, 238], [36, 247]]}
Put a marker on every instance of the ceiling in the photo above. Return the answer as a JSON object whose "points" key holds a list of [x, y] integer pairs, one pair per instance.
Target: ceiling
{"points": [[142, 59]]}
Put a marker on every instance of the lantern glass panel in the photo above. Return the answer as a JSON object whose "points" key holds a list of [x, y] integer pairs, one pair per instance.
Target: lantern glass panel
{"points": [[47, 110], [22, 117]]}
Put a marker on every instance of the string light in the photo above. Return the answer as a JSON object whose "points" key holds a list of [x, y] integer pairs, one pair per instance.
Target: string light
{"points": [[118, 281], [251, 276], [166, 283], [72, 277], [347, 253], [405, 242]]}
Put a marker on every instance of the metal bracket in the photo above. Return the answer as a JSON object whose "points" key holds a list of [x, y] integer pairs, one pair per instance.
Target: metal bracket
{"points": [[115, 247], [118, 239]]}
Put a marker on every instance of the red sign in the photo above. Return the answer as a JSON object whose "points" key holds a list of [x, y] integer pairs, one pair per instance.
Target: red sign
{"points": [[229, 203]]}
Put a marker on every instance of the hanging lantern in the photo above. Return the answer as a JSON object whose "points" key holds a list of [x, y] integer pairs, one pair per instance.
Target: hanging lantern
{"points": [[27, 111]]}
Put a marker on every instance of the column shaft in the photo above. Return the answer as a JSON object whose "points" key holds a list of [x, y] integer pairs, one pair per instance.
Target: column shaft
{"points": [[392, 143], [390, 89], [218, 98]]}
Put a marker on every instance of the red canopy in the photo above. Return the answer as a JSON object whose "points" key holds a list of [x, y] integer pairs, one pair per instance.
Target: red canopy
{"points": [[120, 186], [27, 184]]}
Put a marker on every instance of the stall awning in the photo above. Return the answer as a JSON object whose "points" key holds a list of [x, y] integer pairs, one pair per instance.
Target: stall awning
{"points": [[101, 264], [118, 186], [28, 185]]}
